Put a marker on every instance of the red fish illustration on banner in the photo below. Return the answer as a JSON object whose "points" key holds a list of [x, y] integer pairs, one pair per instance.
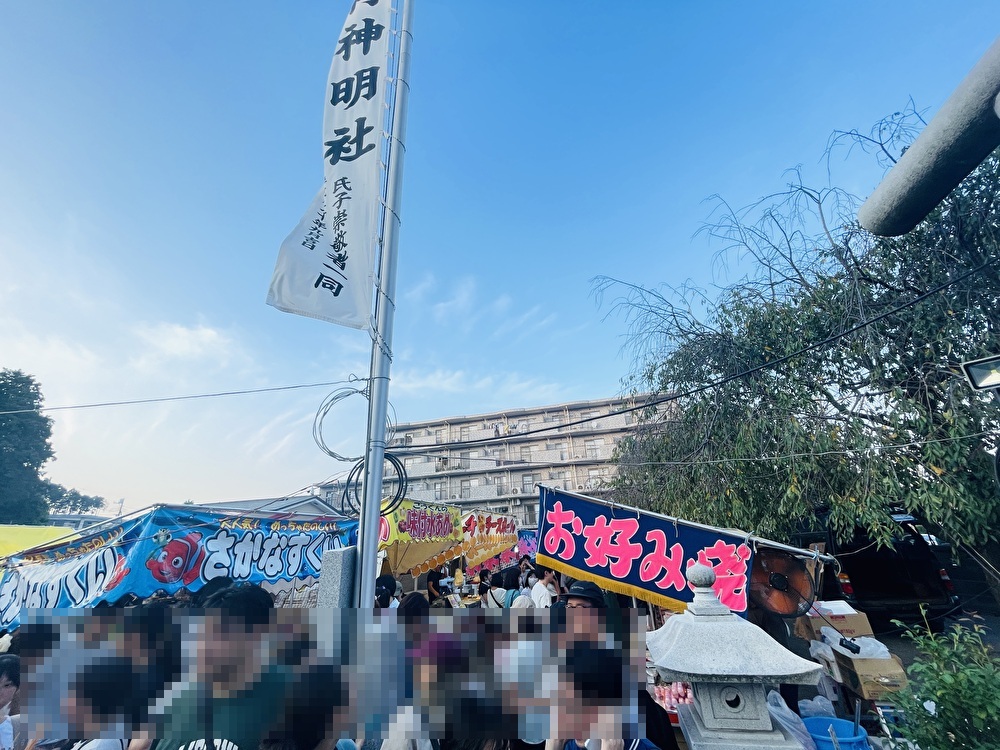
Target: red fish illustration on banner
{"points": [[178, 559], [118, 574]]}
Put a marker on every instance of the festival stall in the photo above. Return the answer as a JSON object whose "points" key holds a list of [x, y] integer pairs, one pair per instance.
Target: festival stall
{"points": [[170, 548], [648, 556], [415, 537], [486, 536], [527, 544], [640, 554]]}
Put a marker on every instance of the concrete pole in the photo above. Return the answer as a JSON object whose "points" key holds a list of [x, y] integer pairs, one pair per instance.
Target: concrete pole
{"points": [[963, 133]]}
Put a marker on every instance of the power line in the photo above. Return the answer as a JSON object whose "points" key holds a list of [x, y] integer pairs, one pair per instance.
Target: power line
{"points": [[843, 452], [164, 399], [486, 441], [588, 460], [722, 381]]}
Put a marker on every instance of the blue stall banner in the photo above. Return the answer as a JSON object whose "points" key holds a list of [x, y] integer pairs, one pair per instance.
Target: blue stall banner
{"points": [[169, 549], [629, 552]]}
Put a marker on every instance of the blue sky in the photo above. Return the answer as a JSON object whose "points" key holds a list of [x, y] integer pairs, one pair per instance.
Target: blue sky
{"points": [[154, 155]]}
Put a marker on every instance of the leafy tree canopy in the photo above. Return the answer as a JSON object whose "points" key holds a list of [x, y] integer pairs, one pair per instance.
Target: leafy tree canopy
{"points": [[880, 418], [26, 497]]}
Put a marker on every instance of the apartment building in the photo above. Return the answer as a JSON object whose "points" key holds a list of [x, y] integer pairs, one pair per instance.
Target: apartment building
{"points": [[493, 461]]}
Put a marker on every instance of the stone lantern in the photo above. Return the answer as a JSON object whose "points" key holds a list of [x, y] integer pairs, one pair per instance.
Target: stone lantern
{"points": [[728, 662]]}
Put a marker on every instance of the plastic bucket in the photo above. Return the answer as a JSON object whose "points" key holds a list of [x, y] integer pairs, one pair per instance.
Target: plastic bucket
{"points": [[819, 729]]}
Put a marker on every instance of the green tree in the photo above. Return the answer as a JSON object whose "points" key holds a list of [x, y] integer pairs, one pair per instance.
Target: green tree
{"points": [[24, 449], [26, 497], [953, 700], [62, 500], [879, 418]]}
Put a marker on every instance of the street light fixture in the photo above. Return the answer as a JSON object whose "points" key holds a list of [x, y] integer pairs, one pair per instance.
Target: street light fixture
{"points": [[983, 374]]}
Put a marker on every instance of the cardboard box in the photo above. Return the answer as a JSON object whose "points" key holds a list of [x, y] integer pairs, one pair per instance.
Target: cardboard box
{"points": [[872, 679], [841, 616]]}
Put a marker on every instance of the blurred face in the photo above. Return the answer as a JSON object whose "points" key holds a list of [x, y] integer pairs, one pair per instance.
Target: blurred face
{"points": [[426, 675], [7, 691], [80, 717], [583, 621], [575, 718], [226, 651], [96, 629]]}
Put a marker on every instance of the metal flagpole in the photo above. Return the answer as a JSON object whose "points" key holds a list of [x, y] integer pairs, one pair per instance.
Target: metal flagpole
{"points": [[378, 388]]}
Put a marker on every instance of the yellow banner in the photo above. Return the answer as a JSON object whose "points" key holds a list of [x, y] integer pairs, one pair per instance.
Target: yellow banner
{"points": [[415, 536]]}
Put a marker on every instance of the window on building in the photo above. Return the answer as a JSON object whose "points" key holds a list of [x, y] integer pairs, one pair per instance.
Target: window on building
{"points": [[439, 491], [528, 482], [466, 489], [464, 433], [593, 447], [529, 516], [558, 474], [408, 462], [439, 436], [559, 447], [465, 459], [526, 452]]}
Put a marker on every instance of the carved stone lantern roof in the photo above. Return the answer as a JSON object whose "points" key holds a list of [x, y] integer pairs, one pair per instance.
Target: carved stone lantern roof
{"points": [[709, 643]]}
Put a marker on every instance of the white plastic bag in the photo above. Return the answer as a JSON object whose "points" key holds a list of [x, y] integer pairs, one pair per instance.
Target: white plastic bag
{"points": [[819, 649], [872, 648], [829, 635], [787, 718], [818, 706]]}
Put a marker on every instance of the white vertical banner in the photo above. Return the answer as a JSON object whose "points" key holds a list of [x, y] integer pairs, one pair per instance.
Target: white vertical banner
{"points": [[326, 265]]}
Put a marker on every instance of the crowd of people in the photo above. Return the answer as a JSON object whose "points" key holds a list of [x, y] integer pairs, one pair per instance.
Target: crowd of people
{"points": [[169, 673]]}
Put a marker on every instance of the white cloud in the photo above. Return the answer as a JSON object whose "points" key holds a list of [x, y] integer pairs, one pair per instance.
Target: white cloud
{"points": [[481, 391], [420, 290], [524, 325], [502, 303], [456, 309], [435, 381], [165, 343]]}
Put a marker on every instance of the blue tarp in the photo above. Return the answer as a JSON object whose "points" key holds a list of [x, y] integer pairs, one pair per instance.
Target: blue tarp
{"points": [[167, 549]]}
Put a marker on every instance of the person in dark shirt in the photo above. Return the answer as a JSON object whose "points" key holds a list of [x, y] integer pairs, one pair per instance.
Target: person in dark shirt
{"points": [[238, 694], [434, 585]]}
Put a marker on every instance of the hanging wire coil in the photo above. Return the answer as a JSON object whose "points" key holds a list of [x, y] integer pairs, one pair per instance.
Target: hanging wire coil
{"points": [[350, 501]]}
